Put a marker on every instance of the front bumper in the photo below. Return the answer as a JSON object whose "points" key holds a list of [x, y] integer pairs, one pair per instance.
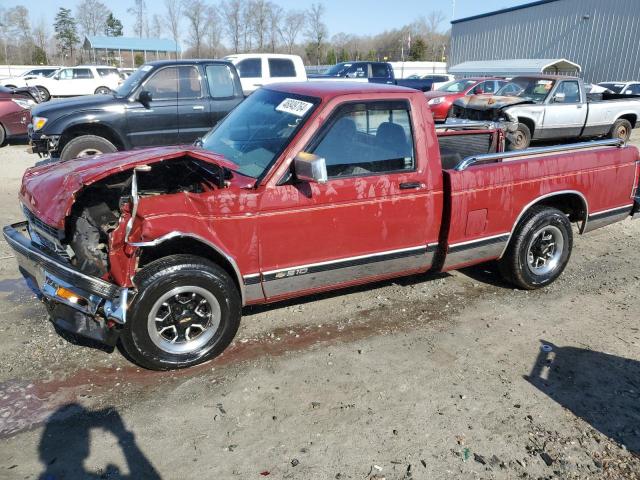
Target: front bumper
{"points": [[42, 144], [96, 309]]}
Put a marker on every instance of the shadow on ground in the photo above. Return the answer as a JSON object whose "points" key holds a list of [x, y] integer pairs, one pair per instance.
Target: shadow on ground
{"points": [[65, 446], [602, 389]]}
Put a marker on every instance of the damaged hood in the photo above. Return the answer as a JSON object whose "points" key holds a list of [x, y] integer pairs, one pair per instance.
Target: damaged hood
{"points": [[49, 191], [484, 103]]}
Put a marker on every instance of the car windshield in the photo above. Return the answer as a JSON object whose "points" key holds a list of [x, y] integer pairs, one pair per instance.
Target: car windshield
{"points": [[338, 69], [456, 86], [614, 87], [255, 133], [534, 89], [132, 81]]}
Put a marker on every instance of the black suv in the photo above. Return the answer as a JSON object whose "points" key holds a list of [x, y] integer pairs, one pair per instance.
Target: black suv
{"points": [[162, 103]]}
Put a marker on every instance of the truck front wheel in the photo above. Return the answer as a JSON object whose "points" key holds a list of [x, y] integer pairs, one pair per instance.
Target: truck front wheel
{"points": [[539, 249], [86, 146], [621, 129], [520, 139], [186, 312]]}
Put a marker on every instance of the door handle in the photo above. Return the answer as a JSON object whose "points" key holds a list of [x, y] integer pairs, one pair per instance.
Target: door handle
{"points": [[198, 107], [410, 185]]}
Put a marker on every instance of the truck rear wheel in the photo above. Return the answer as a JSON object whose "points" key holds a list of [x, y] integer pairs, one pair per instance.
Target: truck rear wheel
{"points": [[187, 311], [3, 135], [621, 129], [539, 249], [520, 139], [86, 146]]}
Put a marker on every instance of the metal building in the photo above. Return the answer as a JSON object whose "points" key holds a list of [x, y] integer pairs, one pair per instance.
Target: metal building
{"points": [[602, 37]]}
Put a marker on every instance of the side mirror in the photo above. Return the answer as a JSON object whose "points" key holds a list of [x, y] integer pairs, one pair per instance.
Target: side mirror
{"points": [[310, 168], [145, 97], [559, 97]]}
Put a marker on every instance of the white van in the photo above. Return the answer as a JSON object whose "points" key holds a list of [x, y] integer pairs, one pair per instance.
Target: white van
{"points": [[258, 69]]}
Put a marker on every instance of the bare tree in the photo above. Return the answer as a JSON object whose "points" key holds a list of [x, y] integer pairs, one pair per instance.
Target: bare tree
{"points": [[259, 15], [92, 16], [316, 29], [195, 11], [434, 20], [155, 30], [291, 27], [139, 11], [247, 25], [232, 17], [276, 14], [172, 19], [17, 29], [213, 32]]}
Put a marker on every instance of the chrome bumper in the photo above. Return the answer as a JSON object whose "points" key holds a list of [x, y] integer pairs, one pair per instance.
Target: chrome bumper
{"points": [[98, 302]]}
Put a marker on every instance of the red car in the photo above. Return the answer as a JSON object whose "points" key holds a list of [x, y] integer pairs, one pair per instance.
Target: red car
{"points": [[15, 112], [441, 100], [302, 188]]}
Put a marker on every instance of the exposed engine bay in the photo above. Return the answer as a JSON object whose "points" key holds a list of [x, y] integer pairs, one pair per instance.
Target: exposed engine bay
{"points": [[99, 207]]}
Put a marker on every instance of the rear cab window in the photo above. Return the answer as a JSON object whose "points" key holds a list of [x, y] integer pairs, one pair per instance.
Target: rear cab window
{"points": [[82, 73], [370, 138], [281, 67], [221, 81], [170, 83], [250, 68], [105, 72]]}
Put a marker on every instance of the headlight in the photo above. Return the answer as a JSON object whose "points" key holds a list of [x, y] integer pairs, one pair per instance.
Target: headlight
{"points": [[38, 123], [24, 103], [436, 101]]}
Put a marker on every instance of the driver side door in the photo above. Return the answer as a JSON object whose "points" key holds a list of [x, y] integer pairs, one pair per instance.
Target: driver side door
{"points": [[565, 114], [157, 123]]}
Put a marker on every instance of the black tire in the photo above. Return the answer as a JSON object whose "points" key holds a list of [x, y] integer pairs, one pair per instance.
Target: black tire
{"points": [[102, 91], [161, 278], [85, 146], [3, 135], [45, 96], [11, 86], [528, 238], [621, 129], [520, 139]]}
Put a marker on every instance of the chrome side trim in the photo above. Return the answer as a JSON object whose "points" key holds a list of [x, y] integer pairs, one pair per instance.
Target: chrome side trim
{"points": [[607, 217], [543, 197], [335, 272], [489, 157], [175, 234], [478, 249]]}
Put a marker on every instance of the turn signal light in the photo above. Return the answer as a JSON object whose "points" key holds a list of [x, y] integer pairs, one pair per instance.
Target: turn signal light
{"points": [[70, 296]]}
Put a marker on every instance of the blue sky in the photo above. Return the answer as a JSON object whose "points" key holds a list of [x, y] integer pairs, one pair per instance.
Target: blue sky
{"points": [[349, 16]]}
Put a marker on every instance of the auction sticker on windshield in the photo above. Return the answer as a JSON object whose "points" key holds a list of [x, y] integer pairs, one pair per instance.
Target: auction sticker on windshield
{"points": [[294, 107]]}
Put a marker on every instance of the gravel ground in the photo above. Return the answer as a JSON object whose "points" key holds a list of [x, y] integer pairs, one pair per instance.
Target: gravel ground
{"points": [[431, 377]]}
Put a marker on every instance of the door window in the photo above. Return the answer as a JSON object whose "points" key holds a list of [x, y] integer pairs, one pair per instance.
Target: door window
{"points": [[358, 70], [221, 81], [105, 72], [634, 89], [82, 73], [190, 85], [250, 68], [571, 91], [367, 139], [281, 67], [66, 74], [484, 88]]}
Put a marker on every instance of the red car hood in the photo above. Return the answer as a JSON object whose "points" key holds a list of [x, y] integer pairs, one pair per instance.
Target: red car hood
{"points": [[50, 190]]}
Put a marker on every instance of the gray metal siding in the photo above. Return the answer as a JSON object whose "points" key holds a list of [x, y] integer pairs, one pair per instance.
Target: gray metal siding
{"points": [[606, 45]]}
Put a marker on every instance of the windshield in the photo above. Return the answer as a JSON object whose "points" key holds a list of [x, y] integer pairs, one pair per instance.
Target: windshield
{"points": [[534, 89], [456, 86], [614, 87], [338, 69], [255, 133], [132, 81]]}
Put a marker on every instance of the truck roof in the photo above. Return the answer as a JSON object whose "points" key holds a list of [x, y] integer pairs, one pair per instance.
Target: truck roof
{"points": [[329, 89], [196, 61], [548, 77]]}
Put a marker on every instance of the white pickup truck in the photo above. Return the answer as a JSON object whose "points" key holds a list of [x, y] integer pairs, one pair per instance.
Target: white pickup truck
{"points": [[258, 69], [552, 107]]}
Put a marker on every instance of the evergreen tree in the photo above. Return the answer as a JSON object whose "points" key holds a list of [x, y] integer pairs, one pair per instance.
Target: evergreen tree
{"points": [[113, 26], [66, 30], [418, 50]]}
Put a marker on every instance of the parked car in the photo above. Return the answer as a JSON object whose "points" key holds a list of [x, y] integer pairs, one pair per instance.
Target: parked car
{"points": [[15, 111], [126, 72], [547, 107], [75, 81], [21, 80], [258, 69], [441, 99], [625, 88], [439, 79], [162, 103], [160, 248], [372, 72]]}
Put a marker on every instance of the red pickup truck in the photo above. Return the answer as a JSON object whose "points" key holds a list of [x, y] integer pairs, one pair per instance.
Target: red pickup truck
{"points": [[302, 188]]}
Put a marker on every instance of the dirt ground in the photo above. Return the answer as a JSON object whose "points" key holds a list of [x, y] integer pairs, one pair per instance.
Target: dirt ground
{"points": [[453, 376]]}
